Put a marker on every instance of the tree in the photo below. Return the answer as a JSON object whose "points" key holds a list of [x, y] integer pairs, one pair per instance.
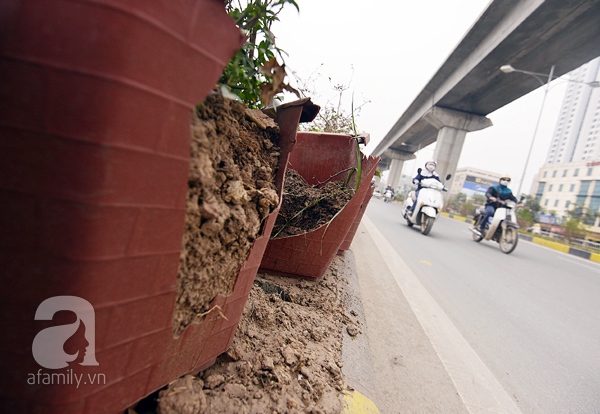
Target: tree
{"points": [[579, 216], [574, 229], [461, 197], [533, 205], [526, 214], [479, 199], [456, 202], [525, 217], [254, 74], [582, 214], [467, 209]]}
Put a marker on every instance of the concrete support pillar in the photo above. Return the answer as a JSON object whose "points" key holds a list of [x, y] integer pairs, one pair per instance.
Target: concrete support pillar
{"points": [[447, 150], [398, 158], [395, 173], [452, 129]]}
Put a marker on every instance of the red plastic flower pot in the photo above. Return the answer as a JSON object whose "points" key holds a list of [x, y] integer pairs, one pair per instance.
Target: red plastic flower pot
{"points": [[95, 116], [201, 343], [352, 232], [317, 157]]}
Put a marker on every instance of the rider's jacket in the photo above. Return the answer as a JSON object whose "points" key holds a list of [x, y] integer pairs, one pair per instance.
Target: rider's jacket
{"points": [[498, 191], [422, 175]]}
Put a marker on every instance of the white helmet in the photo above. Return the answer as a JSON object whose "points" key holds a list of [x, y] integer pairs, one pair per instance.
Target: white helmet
{"points": [[505, 180], [430, 165]]}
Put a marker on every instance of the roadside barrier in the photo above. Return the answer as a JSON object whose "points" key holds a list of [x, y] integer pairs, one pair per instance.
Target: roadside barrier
{"points": [[584, 254]]}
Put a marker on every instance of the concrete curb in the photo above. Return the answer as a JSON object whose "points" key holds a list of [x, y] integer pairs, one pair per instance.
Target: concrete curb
{"points": [[356, 354], [408, 374], [584, 254]]}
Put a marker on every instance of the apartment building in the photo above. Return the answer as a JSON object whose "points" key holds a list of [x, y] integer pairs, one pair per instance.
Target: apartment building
{"points": [[570, 177]]}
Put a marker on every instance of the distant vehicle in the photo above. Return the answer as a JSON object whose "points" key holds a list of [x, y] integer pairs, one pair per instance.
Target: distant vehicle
{"points": [[377, 194], [535, 229], [388, 196]]}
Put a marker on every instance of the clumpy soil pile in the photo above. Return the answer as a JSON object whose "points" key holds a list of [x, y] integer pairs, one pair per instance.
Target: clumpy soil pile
{"points": [[285, 357], [231, 190], [287, 350], [305, 208]]}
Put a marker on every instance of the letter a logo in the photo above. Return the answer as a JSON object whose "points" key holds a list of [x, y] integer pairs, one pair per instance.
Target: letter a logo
{"points": [[48, 346]]}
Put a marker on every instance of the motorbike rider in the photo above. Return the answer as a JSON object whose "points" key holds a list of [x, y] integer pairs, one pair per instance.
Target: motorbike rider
{"points": [[494, 195], [389, 193], [428, 172]]}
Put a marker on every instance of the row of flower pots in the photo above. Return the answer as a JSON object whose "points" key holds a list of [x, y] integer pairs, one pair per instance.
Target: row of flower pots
{"points": [[317, 157], [95, 158]]}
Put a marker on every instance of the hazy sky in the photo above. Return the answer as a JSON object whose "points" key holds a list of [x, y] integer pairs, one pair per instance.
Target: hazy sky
{"points": [[387, 51]]}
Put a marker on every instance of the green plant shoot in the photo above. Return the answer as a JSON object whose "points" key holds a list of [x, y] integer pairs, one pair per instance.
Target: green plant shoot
{"points": [[254, 72]]}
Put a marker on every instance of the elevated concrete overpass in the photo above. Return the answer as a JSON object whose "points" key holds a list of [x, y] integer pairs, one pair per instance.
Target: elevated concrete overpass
{"points": [[530, 35]]}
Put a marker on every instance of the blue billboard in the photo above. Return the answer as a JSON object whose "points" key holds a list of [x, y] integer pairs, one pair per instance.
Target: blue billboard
{"points": [[547, 219], [476, 185]]}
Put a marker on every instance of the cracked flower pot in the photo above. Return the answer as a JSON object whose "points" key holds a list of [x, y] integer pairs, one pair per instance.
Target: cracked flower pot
{"points": [[95, 119], [319, 158], [361, 211]]}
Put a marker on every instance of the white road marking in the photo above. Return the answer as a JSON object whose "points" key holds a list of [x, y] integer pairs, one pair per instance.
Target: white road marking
{"points": [[477, 386], [580, 261], [564, 256]]}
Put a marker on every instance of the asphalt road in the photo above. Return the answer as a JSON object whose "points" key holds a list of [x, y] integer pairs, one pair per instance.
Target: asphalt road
{"points": [[532, 317]]}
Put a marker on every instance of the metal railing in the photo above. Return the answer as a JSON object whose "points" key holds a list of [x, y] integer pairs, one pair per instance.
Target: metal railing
{"points": [[586, 243]]}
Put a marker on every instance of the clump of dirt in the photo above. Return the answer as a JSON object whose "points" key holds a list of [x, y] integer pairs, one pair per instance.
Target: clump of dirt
{"points": [[231, 190], [305, 207], [285, 357]]}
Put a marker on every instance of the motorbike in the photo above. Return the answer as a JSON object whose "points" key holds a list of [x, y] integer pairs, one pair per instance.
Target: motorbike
{"points": [[428, 204], [387, 197], [502, 227]]}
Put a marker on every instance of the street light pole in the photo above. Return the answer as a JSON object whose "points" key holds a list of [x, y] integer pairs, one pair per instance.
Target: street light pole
{"points": [[546, 84]]}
